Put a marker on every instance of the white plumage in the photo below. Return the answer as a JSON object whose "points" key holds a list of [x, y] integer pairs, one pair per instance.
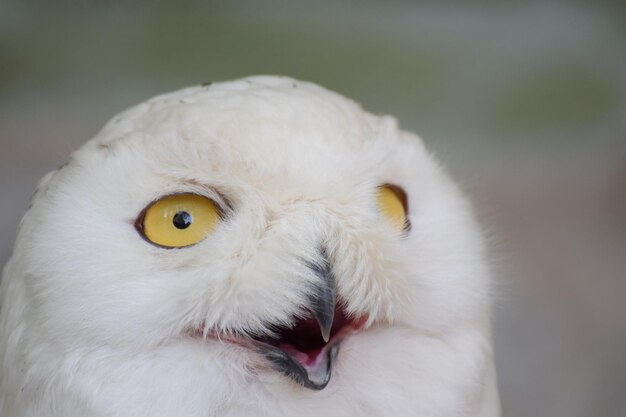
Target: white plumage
{"points": [[97, 321]]}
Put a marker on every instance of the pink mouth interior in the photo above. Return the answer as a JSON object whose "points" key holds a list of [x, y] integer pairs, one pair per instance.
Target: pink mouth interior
{"points": [[304, 341]]}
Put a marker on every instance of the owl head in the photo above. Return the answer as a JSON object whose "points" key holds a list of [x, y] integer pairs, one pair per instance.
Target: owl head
{"points": [[266, 219]]}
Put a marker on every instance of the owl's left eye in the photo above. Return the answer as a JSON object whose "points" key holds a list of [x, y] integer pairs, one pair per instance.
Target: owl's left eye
{"points": [[178, 220], [393, 206]]}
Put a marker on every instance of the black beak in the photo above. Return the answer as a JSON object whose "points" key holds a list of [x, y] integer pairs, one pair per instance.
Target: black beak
{"points": [[315, 377], [324, 296], [322, 302]]}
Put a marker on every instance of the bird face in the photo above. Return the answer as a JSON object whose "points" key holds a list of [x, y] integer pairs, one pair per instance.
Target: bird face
{"points": [[268, 217]]}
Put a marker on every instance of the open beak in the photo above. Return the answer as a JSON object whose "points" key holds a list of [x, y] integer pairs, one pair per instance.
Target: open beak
{"points": [[306, 352]]}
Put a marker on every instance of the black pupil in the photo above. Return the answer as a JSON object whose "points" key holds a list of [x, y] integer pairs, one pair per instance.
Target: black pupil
{"points": [[182, 220]]}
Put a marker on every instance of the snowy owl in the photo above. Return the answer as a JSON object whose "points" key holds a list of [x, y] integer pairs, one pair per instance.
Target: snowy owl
{"points": [[258, 247]]}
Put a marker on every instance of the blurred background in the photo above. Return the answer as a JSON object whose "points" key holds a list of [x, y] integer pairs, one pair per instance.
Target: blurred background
{"points": [[524, 102]]}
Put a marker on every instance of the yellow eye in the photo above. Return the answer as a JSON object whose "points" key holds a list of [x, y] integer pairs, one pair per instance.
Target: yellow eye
{"points": [[392, 204], [179, 220]]}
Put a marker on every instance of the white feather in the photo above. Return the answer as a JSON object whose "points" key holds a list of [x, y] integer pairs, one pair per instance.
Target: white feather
{"points": [[93, 318]]}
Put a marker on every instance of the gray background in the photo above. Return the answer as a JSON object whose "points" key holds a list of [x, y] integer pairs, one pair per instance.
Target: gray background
{"points": [[524, 102]]}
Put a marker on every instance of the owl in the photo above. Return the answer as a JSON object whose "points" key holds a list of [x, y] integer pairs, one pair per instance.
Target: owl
{"points": [[258, 247]]}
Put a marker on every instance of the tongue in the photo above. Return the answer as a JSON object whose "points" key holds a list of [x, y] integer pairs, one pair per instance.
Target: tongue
{"points": [[312, 372]]}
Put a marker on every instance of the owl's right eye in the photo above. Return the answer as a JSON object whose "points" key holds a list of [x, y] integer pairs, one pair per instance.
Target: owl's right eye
{"points": [[178, 220]]}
